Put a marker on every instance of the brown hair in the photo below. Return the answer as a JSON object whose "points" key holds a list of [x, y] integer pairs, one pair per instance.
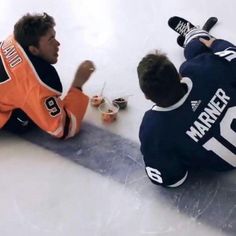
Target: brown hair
{"points": [[158, 77], [29, 28]]}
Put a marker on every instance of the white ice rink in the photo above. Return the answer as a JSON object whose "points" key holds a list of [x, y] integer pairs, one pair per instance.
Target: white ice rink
{"points": [[44, 194]]}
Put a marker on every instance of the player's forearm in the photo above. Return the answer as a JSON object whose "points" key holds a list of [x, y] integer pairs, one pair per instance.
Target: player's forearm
{"points": [[75, 104], [220, 45]]}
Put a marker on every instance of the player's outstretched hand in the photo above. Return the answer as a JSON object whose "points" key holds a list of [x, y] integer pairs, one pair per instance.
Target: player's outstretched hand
{"points": [[207, 42], [85, 69]]}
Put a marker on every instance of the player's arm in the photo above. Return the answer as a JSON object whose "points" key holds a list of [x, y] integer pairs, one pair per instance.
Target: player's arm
{"points": [[60, 118], [217, 45], [223, 49], [75, 104], [164, 168]]}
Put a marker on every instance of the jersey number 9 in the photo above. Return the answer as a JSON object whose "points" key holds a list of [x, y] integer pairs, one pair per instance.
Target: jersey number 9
{"points": [[52, 106]]}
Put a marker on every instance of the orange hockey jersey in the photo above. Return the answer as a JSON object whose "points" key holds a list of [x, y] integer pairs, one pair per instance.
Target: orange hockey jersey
{"points": [[28, 85]]}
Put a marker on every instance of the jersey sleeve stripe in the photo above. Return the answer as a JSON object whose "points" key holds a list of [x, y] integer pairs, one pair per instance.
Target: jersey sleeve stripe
{"points": [[179, 182], [73, 126], [57, 132]]}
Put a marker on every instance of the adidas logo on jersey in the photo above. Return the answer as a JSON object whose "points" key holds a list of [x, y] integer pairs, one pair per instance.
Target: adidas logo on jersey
{"points": [[195, 104]]}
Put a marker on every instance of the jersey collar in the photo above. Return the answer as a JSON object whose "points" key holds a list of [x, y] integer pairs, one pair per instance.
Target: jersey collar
{"points": [[189, 84]]}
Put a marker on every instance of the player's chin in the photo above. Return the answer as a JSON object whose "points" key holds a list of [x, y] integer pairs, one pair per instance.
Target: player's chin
{"points": [[54, 60]]}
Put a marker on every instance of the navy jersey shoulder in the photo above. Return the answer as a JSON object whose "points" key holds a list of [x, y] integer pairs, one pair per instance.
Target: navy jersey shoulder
{"points": [[47, 73]]}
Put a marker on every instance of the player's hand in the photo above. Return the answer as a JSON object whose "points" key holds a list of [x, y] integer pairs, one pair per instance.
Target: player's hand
{"points": [[207, 42], [83, 73]]}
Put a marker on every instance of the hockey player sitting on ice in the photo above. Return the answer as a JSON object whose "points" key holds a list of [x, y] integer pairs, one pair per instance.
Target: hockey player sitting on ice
{"points": [[193, 121], [30, 87]]}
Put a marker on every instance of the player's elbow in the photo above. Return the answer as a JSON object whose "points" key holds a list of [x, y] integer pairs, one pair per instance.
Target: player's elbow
{"points": [[179, 182], [170, 182]]}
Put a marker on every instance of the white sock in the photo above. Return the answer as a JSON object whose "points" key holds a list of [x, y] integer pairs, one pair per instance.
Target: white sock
{"points": [[195, 33]]}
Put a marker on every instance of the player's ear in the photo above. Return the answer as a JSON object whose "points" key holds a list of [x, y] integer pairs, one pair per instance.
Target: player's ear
{"points": [[34, 50], [146, 97]]}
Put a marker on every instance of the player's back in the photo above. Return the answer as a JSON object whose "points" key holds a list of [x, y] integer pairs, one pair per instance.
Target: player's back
{"points": [[200, 127], [213, 100]]}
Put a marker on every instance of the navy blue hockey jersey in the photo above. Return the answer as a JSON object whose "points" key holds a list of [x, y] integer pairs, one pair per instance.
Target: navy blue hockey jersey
{"points": [[200, 129]]}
